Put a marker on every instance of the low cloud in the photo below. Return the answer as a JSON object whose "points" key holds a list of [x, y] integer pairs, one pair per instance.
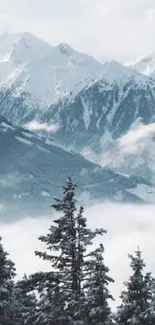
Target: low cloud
{"points": [[129, 226], [133, 153], [38, 126], [137, 137]]}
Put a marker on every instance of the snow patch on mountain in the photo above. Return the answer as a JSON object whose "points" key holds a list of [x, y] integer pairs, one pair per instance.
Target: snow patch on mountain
{"points": [[25, 141], [49, 72], [114, 71], [144, 65], [86, 114], [6, 126], [22, 47]]}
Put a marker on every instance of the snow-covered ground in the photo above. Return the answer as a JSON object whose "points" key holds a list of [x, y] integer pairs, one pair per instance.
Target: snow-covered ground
{"points": [[129, 226]]}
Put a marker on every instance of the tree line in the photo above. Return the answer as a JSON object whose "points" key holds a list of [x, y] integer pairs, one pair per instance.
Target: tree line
{"points": [[76, 289]]}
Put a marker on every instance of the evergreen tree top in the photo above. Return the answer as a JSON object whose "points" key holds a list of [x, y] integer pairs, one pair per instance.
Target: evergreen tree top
{"points": [[137, 263], [138, 299], [63, 293], [68, 198]]}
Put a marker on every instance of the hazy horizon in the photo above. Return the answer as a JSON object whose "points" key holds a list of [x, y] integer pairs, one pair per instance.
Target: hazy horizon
{"points": [[93, 27]]}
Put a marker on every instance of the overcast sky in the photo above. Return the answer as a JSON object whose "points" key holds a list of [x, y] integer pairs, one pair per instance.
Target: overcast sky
{"points": [[119, 29]]}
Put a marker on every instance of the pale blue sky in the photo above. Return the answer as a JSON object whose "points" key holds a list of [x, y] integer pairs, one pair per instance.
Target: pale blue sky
{"points": [[120, 29]]}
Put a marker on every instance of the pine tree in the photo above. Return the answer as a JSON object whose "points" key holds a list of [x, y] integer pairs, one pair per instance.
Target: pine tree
{"points": [[137, 306], [24, 303], [98, 295], [7, 273], [15, 304], [49, 309], [85, 238], [62, 293], [52, 305], [61, 239]]}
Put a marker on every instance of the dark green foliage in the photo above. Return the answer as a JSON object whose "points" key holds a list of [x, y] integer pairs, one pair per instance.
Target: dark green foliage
{"points": [[63, 296], [98, 295], [25, 303], [7, 273], [16, 306], [76, 289], [138, 305]]}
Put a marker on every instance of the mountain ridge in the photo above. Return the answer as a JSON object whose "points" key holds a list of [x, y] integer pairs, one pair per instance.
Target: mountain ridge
{"points": [[145, 65], [33, 169], [50, 71], [93, 104]]}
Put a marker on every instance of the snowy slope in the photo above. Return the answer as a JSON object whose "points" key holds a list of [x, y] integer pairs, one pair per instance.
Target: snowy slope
{"points": [[85, 105], [46, 72], [33, 169], [111, 104], [145, 65], [93, 109], [34, 75]]}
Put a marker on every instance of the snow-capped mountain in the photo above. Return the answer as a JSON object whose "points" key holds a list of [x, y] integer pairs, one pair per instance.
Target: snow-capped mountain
{"points": [[112, 101], [145, 65], [86, 105], [33, 169], [45, 72], [76, 91], [104, 106]]}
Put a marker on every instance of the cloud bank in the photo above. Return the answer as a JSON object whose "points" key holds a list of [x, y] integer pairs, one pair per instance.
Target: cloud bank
{"points": [[133, 153], [137, 138]]}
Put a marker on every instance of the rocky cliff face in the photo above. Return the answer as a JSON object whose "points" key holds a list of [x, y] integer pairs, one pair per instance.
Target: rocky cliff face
{"points": [[103, 106]]}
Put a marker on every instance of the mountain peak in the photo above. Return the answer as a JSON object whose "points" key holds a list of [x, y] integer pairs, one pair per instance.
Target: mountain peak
{"points": [[114, 71], [47, 72], [24, 47], [21, 47], [145, 65], [15, 37]]}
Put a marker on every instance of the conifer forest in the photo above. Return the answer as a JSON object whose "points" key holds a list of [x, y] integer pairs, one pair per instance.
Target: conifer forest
{"points": [[76, 290]]}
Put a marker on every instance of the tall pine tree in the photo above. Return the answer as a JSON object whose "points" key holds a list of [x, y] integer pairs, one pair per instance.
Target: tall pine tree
{"points": [[137, 306], [98, 295], [61, 244], [62, 293], [89, 264]]}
